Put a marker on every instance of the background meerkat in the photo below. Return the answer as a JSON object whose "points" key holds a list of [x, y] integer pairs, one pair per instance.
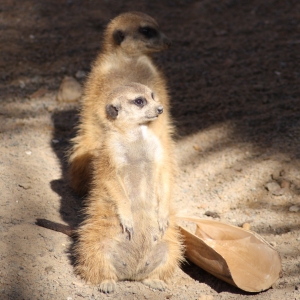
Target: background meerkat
{"points": [[129, 184], [129, 41]]}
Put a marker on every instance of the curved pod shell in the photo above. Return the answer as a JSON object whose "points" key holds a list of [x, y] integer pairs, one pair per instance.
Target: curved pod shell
{"points": [[237, 256]]}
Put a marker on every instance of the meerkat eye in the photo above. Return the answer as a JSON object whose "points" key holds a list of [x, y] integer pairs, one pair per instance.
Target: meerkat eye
{"points": [[148, 32], [140, 102]]}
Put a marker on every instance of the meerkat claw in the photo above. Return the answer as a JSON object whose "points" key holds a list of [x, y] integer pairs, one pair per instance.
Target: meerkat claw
{"points": [[163, 224], [127, 229]]}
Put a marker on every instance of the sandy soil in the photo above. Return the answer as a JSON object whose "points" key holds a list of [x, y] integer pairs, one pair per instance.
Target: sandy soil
{"points": [[234, 80]]}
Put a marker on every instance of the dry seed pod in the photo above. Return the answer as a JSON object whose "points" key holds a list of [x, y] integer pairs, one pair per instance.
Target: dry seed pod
{"points": [[237, 256]]}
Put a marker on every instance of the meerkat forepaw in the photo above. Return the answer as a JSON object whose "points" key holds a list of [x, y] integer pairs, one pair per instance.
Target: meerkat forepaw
{"points": [[163, 223], [127, 226], [156, 284], [107, 286]]}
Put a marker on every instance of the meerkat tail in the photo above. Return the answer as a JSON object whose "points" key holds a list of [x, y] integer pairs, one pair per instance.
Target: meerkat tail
{"points": [[55, 226]]}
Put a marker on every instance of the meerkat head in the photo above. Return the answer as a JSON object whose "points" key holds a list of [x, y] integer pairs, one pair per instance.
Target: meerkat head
{"points": [[132, 105], [135, 33]]}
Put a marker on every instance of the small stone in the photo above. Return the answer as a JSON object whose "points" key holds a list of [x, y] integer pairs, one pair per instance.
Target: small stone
{"points": [[25, 186], [246, 226], [212, 214], [80, 74], [39, 93], [238, 169], [78, 283], [49, 269], [294, 208], [70, 90], [285, 184], [28, 152], [274, 188], [282, 173], [22, 84], [197, 148]]}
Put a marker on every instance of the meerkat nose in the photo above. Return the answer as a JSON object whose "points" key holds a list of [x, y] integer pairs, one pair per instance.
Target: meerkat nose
{"points": [[160, 110]]}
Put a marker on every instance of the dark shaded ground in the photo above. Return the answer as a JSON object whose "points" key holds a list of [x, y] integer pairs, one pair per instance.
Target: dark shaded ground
{"points": [[234, 78]]}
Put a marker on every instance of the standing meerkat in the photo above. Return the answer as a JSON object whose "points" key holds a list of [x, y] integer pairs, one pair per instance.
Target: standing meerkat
{"points": [[129, 41], [121, 237]]}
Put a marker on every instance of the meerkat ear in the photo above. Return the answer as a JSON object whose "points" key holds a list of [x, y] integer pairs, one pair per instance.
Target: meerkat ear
{"points": [[112, 111], [119, 36]]}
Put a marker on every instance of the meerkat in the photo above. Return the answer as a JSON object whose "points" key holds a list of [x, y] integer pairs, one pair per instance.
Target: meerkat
{"points": [[129, 41], [121, 237]]}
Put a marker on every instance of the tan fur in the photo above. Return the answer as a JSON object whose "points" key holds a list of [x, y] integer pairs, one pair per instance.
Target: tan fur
{"points": [[129, 231], [125, 57]]}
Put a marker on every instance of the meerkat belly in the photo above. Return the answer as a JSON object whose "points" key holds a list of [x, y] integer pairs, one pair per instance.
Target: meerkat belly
{"points": [[137, 257], [140, 185]]}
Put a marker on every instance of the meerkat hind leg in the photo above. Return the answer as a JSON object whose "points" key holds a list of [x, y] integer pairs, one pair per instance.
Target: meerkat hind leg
{"points": [[157, 259], [156, 284], [107, 286]]}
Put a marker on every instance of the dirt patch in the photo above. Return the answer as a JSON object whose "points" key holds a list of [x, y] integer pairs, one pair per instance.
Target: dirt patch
{"points": [[234, 77]]}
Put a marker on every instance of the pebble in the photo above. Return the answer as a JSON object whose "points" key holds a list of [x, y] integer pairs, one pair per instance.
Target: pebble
{"points": [[197, 148], [70, 90], [212, 214], [28, 152], [294, 208], [49, 269], [25, 186], [80, 74], [285, 184], [22, 84], [274, 188], [246, 226], [39, 93], [78, 283]]}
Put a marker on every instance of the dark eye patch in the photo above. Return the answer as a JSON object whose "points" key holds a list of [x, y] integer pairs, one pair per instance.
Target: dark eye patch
{"points": [[152, 95], [148, 32], [140, 101]]}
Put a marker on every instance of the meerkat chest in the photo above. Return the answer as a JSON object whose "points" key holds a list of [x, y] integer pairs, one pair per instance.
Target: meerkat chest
{"points": [[137, 158], [140, 148]]}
